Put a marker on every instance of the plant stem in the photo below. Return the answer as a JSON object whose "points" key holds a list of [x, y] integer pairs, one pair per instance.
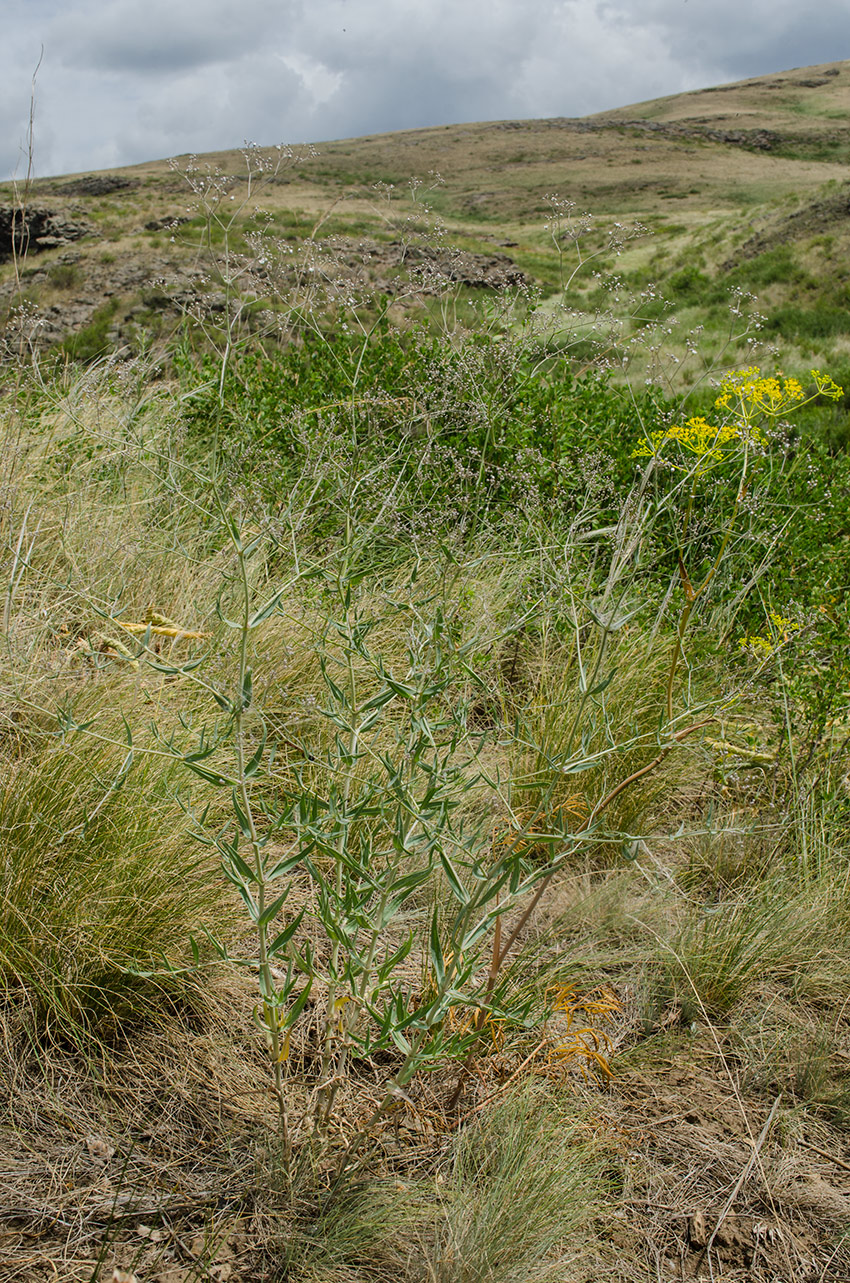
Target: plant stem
{"points": [[693, 594], [271, 1017]]}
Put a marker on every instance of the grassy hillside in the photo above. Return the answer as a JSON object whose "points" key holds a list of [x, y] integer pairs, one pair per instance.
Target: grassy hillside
{"points": [[424, 730], [739, 187]]}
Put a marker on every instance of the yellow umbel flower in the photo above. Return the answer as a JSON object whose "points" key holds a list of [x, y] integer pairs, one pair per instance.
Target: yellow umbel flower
{"points": [[749, 398], [763, 647], [709, 443], [748, 392]]}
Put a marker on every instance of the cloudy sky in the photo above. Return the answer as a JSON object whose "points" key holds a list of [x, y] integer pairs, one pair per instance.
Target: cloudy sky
{"points": [[123, 81]]}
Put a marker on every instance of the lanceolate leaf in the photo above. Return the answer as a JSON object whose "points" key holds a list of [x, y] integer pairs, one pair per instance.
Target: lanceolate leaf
{"points": [[265, 612], [400, 1041], [288, 864], [295, 1011], [370, 720], [458, 889], [272, 910], [604, 684], [333, 688], [575, 768], [212, 777], [281, 941], [253, 765], [241, 818], [389, 964], [248, 899], [435, 950], [378, 701], [230, 856]]}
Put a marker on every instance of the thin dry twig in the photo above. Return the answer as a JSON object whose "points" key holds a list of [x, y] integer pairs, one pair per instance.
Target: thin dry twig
{"points": [[822, 1153], [748, 1167]]}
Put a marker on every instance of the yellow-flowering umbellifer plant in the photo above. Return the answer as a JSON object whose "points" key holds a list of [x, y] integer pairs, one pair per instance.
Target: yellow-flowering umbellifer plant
{"points": [[747, 404]]}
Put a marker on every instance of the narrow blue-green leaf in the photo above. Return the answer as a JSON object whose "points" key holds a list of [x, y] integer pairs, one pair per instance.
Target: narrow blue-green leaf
{"points": [[253, 545], [231, 623], [389, 964], [244, 870], [248, 899], [435, 950], [378, 701], [233, 531], [399, 688], [212, 777], [287, 865], [295, 1011], [265, 612], [577, 767], [601, 686], [254, 764], [333, 688], [232, 877], [410, 880], [272, 910], [459, 890], [305, 961], [370, 720], [187, 666], [220, 948], [123, 770], [282, 940], [400, 1041], [241, 818], [472, 937]]}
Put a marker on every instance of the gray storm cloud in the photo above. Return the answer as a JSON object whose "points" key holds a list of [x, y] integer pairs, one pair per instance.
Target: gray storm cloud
{"points": [[129, 80], [160, 37]]}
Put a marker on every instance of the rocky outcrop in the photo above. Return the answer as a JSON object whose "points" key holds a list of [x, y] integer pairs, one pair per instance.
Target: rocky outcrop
{"points": [[76, 285], [139, 285], [98, 185], [460, 267], [390, 265], [35, 228], [164, 224], [688, 130], [816, 217]]}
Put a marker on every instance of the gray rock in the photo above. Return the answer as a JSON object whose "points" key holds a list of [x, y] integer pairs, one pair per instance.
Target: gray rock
{"points": [[164, 224], [98, 185], [36, 228]]}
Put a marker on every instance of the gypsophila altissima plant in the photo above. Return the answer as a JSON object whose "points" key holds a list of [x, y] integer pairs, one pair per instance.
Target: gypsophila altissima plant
{"points": [[376, 814]]}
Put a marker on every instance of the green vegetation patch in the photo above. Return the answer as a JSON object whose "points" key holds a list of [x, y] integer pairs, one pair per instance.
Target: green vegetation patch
{"points": [[92, 341]]}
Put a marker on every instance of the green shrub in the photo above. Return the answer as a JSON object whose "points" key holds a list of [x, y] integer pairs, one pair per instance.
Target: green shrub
{"points": [[772, 267], [451, 416], [822, 321], [64, 276], [690, 285]]}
